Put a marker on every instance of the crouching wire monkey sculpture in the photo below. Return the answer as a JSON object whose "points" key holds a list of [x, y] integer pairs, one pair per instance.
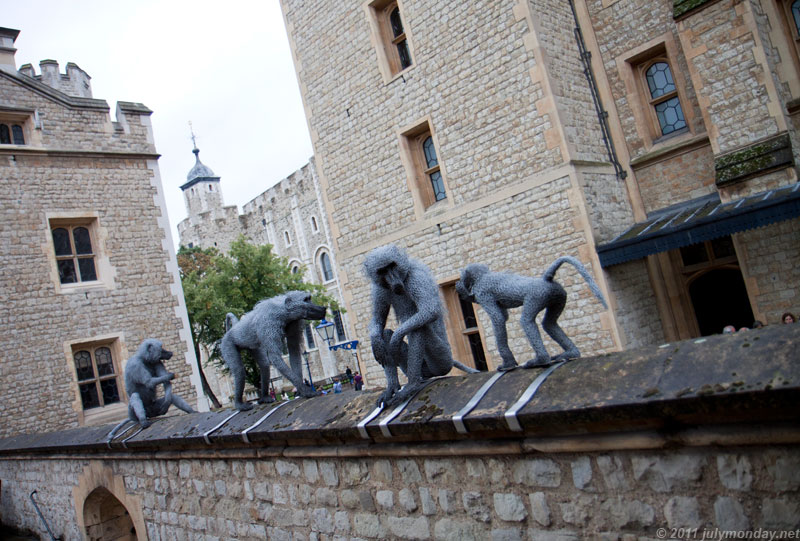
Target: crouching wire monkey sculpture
{"points": [[144, 372], [262, 331], [497, 292], [407, 285]]}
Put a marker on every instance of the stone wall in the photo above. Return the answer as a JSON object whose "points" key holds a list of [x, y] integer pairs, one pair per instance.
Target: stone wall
{"points": [[78, 165], [700, 435]]}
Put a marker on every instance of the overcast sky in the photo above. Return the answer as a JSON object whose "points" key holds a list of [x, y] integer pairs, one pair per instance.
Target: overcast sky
{"points": [[224, 66]]}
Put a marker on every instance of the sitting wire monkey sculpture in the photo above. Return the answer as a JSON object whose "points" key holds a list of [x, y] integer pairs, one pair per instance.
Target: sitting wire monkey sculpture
{"points": [[407, 285], [144, 372], [262, 331], [497, 292]]}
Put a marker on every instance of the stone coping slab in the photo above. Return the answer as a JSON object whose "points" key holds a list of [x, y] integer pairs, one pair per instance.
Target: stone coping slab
{"points": [[746, 378]]}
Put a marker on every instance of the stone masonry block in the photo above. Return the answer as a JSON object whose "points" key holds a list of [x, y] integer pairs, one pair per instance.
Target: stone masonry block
{"points": [[734, 472], [510, 507], [729, 514], [540, 472], [683, 512], [663, 473]]}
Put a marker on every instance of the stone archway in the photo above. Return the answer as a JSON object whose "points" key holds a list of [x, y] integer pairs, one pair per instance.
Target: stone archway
{"points": [[106, 519]]}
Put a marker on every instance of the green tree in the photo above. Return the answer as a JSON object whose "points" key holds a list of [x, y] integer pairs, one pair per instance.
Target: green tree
{"points": [[215, 284]]}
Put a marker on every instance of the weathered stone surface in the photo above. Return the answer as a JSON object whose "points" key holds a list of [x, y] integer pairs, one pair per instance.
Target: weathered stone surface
{"points": [[406, 499], [409, 471], [382, 469], [408, 527], [322, 521], [507, 534], [448, 529], [311, 471], [540, 509], [781, 514], [350, 499], [475, 506], [540, 472], [786, 472], [734, 472], [663, 473], [385, 499], [510, 507], [613, 472], [326, 496], [428, 505], [329, 473], [683, 512], [729, 514], [287, 469], [623, 513], [368, 525], [553, 535], [579, 510], [447, 500], [581, 472]]}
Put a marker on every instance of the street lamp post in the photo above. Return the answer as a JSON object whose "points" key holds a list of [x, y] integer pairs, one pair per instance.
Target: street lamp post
{"points": [[310, 379]]}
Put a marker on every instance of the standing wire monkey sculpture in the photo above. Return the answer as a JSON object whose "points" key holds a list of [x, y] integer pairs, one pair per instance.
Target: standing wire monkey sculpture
{"points": [[262, 331], [407, 286], [144, 372], [497, 292]]}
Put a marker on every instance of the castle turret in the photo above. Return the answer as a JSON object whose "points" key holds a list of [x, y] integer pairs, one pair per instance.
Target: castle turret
{"points": [[7, 50], [201, 192]]}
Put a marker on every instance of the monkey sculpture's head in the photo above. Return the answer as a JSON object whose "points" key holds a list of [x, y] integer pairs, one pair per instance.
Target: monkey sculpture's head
{"points": [[469, 276], [298, 305], [151, 351], [388, 267]]}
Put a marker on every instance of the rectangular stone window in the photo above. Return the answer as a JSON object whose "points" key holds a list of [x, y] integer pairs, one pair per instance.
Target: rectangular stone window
{"points": [[390, 36], [16, 126], [656, 91], [426, 176], [98, 376], [75, 247], [463, 329]]}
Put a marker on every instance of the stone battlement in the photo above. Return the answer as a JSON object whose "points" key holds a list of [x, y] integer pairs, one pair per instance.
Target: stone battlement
{"points": [[74, 82]]}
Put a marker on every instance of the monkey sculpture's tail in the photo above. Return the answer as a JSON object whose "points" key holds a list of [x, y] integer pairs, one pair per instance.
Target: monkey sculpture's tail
{"points": [[230, 321], [464, 368], [550, 273]]}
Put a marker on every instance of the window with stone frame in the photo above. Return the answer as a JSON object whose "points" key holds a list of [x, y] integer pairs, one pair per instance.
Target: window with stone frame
{"points": [[11, 133], [463, 329], [326, 267], [662, 94], [98, 374], [423, 165], [790, 23], [75, 250], [387, 21], [310, 344], [339, 324]]}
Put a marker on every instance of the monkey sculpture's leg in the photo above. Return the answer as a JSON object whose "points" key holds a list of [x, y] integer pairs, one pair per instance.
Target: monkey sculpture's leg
{"points": [[551, 327], [416, 358], [181, 404], [135, 402], [499, 317], [264, 368], [276, 361], [234, 362], [530, 309], [390, 365]]}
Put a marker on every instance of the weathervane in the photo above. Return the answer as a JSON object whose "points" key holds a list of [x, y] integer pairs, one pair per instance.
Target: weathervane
{"points": [[194, 143]]}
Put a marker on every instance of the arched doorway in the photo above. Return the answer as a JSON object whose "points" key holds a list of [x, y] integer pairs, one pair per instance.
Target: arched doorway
{"points": [[720, 298], [106, 519]]}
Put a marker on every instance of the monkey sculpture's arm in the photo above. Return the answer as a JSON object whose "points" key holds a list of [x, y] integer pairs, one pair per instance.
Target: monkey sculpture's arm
{"points": [[423, 290], [380, 312]]}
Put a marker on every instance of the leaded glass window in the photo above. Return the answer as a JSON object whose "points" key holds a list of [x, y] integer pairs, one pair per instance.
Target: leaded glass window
{"points": [[399, 38], [5, 135], [327, 268], [17, 135], [97, 378], [664, 98], [796, 16], [74, 254], [337, 321], [432, 169], [309, 337], [11, 134]]}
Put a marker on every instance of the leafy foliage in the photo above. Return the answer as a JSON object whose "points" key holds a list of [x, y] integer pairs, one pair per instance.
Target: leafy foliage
{"points": [[215, 284]]}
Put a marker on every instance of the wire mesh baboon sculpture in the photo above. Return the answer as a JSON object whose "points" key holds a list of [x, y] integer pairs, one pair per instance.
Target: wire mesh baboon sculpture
{"points": [[497, 292], [144, 372], [261, 331], [407, 286]]}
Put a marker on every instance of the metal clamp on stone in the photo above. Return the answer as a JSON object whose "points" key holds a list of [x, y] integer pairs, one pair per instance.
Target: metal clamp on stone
{"points": [[225, 420], [458, 418], [527, 396], [264, 418], [362, 426], [384, 424]]}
